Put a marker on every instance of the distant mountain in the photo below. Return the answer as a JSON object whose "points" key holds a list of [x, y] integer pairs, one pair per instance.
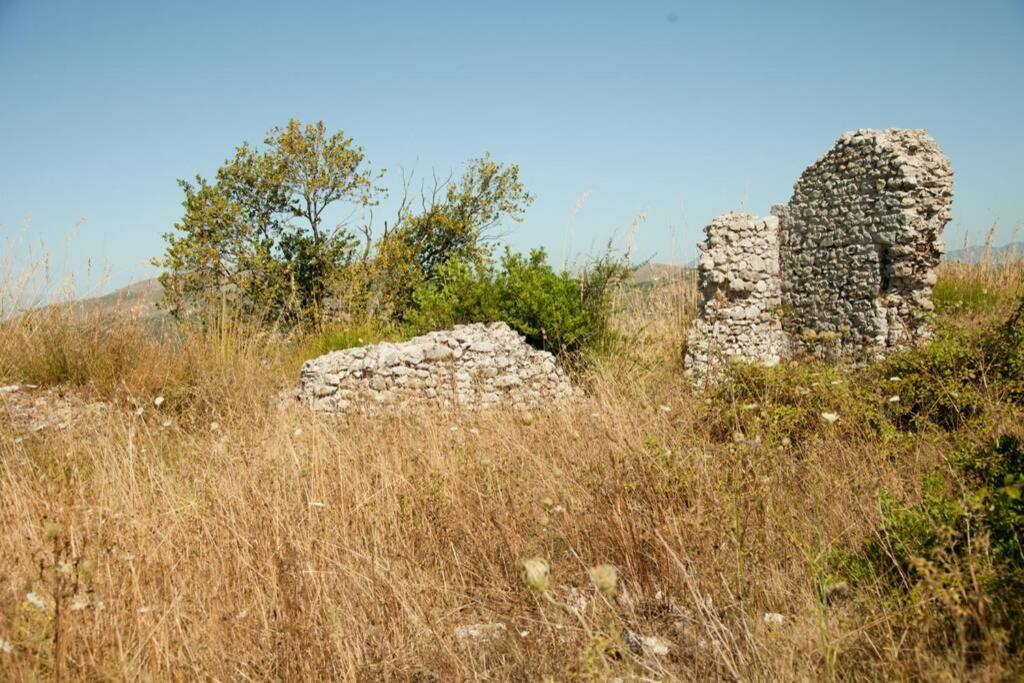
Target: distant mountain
{"points": [[651, 274], [139, 299], [974, 254]]}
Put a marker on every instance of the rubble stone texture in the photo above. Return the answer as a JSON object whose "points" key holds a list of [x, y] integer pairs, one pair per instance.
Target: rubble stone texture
{"points": [[860, 240], [470, 366], [741, 291], [856, 250]]}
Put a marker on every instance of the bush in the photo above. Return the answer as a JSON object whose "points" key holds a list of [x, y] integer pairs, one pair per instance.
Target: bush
{"points": [[785, 404], [948, 383], [944, 382], [937, 384], [556, 311], [1005, 348], [960, 547]]}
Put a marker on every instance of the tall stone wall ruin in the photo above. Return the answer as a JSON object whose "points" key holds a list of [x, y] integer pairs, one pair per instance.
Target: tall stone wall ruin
{"points": [[860, 240], [856, 250]]}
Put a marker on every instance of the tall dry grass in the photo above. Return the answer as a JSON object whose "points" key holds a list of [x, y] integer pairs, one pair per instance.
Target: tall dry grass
{"points": [[219, 536]]}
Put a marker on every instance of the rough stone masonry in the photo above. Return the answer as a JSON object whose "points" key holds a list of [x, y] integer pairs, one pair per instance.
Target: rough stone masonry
{"points": [[740, 286], [469, 366], [856, 249]]}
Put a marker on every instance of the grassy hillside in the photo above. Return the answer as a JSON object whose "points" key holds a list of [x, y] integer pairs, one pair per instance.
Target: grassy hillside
{"points": [[801, 523]]}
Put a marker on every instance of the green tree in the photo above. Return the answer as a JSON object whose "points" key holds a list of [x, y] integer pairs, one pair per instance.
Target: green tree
{"points": [[257, 238], [455, 222]]}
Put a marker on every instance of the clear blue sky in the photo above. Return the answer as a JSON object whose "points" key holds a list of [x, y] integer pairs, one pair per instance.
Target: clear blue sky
{"points": [[678, 110]]}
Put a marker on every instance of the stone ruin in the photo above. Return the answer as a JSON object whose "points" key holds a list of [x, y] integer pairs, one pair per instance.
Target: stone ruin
{"points": [[739, 283], [470, 366], [846, 268]]}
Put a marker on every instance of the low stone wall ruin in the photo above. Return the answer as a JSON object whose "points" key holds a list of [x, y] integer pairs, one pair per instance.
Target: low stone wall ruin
{"points": [[470, 366], [856, 249]]}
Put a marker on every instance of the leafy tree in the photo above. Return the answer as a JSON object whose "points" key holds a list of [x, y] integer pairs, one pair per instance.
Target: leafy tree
{"points": [[256, 238], [454, 223]]}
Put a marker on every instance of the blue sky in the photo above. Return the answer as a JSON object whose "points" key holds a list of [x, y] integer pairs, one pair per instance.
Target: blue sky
{"points": [[677, 110]]}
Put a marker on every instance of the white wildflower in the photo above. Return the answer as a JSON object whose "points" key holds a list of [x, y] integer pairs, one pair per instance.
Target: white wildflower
{"points": [[605, 578], [537, 573], [139, 411], [34, 600], [830, 417], [895, 379], [6, 647], [158, 401], [894, 399]]}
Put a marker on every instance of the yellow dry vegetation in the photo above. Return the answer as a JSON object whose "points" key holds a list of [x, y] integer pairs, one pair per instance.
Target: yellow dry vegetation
{"points": [[198, 530]]}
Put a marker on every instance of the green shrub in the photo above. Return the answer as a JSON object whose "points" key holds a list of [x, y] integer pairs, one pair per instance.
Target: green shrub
{"points": [[783, 405], [1005, 349], [944, 382], [960, 547], [556, 311], [939, 383]]}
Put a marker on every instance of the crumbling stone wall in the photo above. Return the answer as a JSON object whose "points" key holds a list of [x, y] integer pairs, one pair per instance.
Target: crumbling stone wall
{"points": [[859, 242], [739, 282], [469, 366], [856, 249]]}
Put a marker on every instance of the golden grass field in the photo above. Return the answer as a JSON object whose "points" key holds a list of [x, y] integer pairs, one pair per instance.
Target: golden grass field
{"points": [[217, 536]]}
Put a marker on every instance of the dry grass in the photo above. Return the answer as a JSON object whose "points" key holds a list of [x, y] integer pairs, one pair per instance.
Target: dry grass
{"points": [[219, 537]]}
